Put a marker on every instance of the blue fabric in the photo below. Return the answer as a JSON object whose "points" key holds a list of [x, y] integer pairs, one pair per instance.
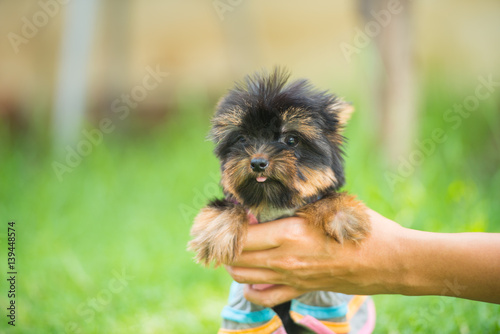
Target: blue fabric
{"points": [[319, 312], [239, 316], [232, 290]]}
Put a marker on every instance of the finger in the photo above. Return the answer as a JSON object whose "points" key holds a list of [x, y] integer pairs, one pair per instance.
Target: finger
{"points": [[256, 259], [254, 276], [271, 296], [265, 236]]}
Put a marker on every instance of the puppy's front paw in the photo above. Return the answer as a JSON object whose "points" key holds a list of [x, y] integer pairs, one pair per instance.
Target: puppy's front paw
{"points": [[218, 234], [340, 215], [350, 223]]}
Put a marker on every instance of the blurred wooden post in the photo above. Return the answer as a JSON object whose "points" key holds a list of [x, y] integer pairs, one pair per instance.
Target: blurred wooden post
{"points": [[117, 32], [397, 104], [70, 94]]}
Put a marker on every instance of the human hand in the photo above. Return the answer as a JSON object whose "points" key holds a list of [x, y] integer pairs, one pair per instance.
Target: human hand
{"points": [[299, 258]]}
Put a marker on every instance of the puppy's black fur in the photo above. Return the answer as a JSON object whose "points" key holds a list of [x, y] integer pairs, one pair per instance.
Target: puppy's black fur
{"points": [[280, 148]]}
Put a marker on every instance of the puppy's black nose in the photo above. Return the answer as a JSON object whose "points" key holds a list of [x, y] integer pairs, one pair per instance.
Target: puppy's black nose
{"points": [[259, 164]]}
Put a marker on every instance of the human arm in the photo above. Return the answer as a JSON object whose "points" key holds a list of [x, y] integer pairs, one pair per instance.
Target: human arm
{"points": [[392, 260]]}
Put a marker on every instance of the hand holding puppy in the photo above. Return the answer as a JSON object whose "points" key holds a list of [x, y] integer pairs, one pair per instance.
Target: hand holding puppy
{"points": [[392, 260]]}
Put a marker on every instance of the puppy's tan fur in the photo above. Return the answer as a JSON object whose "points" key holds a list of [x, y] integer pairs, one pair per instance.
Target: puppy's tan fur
{"points": [[220, 228]]}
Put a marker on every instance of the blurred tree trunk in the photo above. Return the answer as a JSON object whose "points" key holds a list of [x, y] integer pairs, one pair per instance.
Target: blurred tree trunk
{"points": [[116, 29], [396, 82], [72, 79]]}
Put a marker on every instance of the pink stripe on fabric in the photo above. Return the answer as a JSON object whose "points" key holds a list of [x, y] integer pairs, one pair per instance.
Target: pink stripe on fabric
{"points": [[280, 330], [369, 325], [261, 287], [315, 325], [252, 220]]}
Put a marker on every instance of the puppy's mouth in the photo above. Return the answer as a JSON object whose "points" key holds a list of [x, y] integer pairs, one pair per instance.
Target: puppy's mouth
{"points": [[257, 189], [261, 179]]}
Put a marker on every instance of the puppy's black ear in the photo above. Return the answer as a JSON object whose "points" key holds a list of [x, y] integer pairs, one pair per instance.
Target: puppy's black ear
{"points": [[342, 111], [227, 118]]}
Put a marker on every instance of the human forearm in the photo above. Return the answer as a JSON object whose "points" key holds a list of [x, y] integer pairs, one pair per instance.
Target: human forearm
{"points": [[465, 265], [392, 260]]}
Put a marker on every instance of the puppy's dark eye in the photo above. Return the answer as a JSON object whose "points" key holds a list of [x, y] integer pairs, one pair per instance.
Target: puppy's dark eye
{"points": [[291, 141], [241, 140]]}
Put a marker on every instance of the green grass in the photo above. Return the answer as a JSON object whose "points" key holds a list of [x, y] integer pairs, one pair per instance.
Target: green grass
{"points": [[129, 206]]}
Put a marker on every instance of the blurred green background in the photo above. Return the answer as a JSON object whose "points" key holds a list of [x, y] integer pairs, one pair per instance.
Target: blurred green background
{"points": [[101, 247]]}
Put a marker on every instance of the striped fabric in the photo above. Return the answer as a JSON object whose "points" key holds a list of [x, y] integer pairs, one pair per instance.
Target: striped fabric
{"points": [[309, 317]]}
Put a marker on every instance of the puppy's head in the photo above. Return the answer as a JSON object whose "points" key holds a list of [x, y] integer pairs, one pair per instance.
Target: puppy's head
{"points": [[279, 143]]}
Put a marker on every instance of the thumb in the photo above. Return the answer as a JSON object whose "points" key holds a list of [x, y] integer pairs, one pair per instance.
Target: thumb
{"points": [[272, 296]]}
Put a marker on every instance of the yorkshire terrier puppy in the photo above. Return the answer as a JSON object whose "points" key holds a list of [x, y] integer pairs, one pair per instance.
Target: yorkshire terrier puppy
{"points": [[280, 147]]}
